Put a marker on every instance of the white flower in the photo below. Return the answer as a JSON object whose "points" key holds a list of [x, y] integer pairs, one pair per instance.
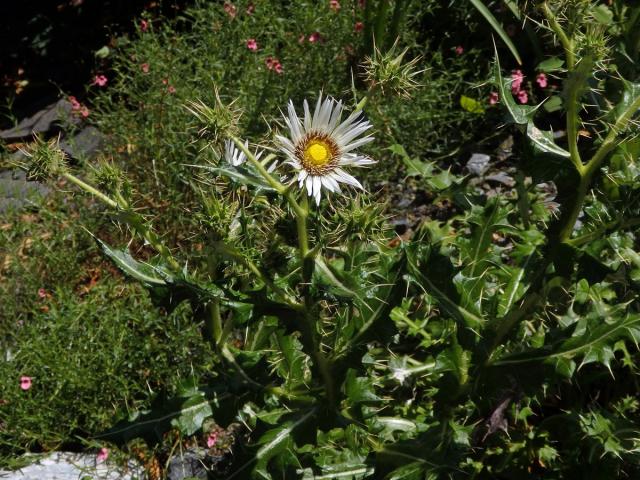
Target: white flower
{"points": [[320, 145], [233, 155]]}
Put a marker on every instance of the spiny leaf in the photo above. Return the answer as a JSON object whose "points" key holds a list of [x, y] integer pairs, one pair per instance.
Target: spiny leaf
{"points": [[544, 141]]}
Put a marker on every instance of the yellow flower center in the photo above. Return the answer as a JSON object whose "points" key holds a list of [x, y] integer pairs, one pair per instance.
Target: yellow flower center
{"points": [[317, 153]]}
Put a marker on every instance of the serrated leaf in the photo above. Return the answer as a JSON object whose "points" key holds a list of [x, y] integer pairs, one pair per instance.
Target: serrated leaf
{"points": [[359, 389], [194, 411], [543, 140], [238, 174], [146, 274], [519, 114]]}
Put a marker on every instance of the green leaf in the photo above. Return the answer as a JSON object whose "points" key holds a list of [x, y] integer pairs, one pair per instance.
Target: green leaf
{"points": [[193, 412], [486, 13], [602, 14], [359, 389], [238, 174], [519, 114], [543, 140], [471, 105], [146, 274], [552, 64], [275, 442]]}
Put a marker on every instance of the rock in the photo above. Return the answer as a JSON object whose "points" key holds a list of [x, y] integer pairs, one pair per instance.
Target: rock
{"points": [[188, 464], [74, 466], [41, 122], [478, 164], [16, 190], [84, 145], [502, 178]]}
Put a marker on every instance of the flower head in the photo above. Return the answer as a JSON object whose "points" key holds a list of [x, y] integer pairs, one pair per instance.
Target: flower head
{"points": [[358, 27], [251, 8], [144, 67], [231, 9], [541, 80], [144, 25], [334, 5], [25, 383], [100, 80], [523, 96], [517, 77], [233, 155], [252, 44], [315, 37], [171, 89], [212, 439], [459, 50], [320, 145], [493, 98], [102, 455]]}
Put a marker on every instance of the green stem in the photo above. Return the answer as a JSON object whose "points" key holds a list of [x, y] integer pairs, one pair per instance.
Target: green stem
{"points": [[131, 218], [567, 43], [92, 190], [215, 321]]}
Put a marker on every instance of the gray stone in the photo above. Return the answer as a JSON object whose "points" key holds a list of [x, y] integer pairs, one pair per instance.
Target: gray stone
{"points": [[16, 190], [41, 122], [74, 466], [84, 145], [188, 464], [502, 178], [478, 164]]}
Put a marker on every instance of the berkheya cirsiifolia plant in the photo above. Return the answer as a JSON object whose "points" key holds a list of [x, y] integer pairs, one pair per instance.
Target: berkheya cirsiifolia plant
{"points": [[526, 308], [288, 311]]}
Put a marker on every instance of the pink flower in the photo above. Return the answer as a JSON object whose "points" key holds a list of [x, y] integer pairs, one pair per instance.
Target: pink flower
{"points": [[362, 3], [102, 455], [84, 112], [212, 439], [171, 89], [459, 50], [315, 37], [269, 62], [25, 383], [358, 27], [144, 25], [75, 104], [252, 44], [144, 67], [251, 8], [42, 293], [334, 5], [165, 81], [541, 80], [231, 9], [100, 80], [277, 66], [523, 96], [493, 98], [517, 77]]}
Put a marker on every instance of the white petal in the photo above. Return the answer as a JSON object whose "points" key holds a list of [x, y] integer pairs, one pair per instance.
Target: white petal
{"points": [[316, 113], [294, 123], [307, 116], [357, 143], [309, 185], [326, 183], [301, 176], [317, 185], [317, 195], [335, 116], [344, 177]]}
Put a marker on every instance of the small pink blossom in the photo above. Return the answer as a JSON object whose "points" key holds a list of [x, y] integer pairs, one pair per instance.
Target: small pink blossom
{"points": [[231, 9], [171, 89], [523, 96], [278, 67], [165, 81], [493, 98], [334, 5], [212, 439], [517, 77], [459, 50], [25, 383], [358, 27], [251, 8], [100, 80], [269, 62], [144, 67], [252, 44], [102, 455], [42, 293], [144, 25], [75, 104], [541, 80], [362, 3], [84, 112], [315, 37]]}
